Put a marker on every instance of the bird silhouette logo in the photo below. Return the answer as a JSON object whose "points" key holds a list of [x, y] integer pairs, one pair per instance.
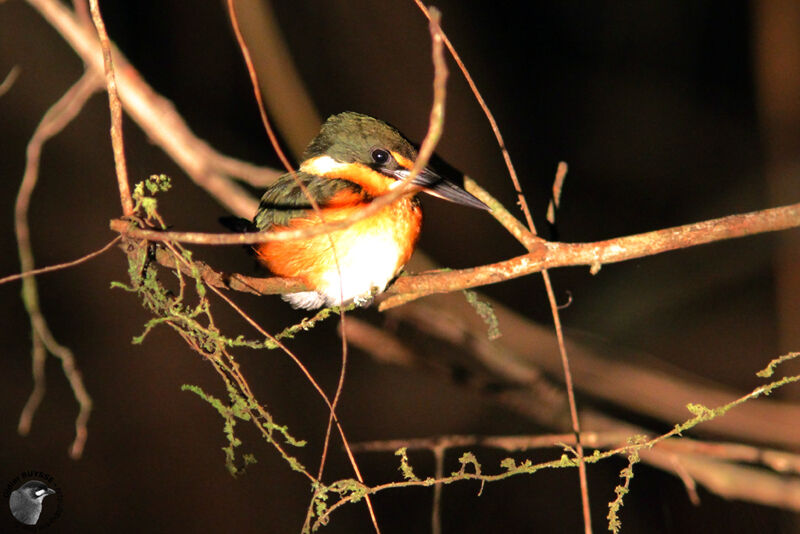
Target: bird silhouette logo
{"points": [[26, 501]]}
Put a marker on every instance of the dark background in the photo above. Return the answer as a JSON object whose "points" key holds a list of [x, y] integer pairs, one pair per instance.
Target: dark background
{"points": [[653, 104]]}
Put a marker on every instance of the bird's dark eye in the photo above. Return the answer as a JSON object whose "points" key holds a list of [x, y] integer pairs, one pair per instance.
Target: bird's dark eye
{"points": [[380, 156]]}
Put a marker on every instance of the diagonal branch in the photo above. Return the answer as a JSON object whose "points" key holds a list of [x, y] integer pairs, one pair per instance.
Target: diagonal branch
{"points": [[550, 255]]}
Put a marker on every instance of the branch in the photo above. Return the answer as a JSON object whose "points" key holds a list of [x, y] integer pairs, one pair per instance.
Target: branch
{"points": [[604, 252], [9, 80], [735, 481], [510, 360], [549, 255], [60, 266], [546, 255], [55, 119], [115, 107]]}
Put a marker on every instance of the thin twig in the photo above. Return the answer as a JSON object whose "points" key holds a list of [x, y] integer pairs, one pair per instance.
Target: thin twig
{"points": [[66, 265], [787, 494], [38, 357], [523, 203], [115, 107], [688, 482], [273, 139], [315, 206], [495, 129], [54, 120], [436, 512], [573, 405], [555, 200], [9, 80], [562, 349], [531, 242], [587, 522]]}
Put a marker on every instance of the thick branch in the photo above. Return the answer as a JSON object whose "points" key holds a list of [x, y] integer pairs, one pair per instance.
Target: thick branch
{"points": [[550, 255], [527, 348]]}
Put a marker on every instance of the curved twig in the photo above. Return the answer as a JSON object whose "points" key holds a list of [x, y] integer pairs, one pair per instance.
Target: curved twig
{"points": [[56, 118]]}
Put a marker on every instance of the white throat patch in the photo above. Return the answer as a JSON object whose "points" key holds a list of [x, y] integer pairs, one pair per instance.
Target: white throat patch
{"points": [[322, 165]]}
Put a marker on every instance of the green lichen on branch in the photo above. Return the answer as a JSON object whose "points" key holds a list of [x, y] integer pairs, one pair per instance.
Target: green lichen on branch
{"points": [[702, 413], [465, 460], [156, 183], [347, 489], [187, 311], [236, 410], [405, 467], [614, 523], [470, 468], [289, 332], [486, 312], [769, 370]]}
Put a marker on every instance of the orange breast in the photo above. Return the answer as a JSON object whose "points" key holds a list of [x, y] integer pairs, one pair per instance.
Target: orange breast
{"points": [[371, 251]]}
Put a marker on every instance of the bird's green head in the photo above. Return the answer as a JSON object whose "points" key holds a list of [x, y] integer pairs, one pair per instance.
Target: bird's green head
{"points": [[351, 137], [374, 155]]}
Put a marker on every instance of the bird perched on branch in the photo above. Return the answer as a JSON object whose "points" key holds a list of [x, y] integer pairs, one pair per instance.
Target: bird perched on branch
{"points": [[353, 160]]}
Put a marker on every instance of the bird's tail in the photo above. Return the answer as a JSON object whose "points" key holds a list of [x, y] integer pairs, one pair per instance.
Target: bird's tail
{"points": [[237, 224]]}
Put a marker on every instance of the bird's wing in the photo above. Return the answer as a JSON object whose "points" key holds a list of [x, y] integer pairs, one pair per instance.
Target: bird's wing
{"points": [[286, 200]]}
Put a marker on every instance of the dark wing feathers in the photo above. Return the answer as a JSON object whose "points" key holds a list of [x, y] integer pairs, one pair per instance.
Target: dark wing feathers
{"points": [[285, 199]]}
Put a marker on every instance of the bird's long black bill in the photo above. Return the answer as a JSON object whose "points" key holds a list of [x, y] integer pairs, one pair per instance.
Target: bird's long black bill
{"points": [[438, 186]]}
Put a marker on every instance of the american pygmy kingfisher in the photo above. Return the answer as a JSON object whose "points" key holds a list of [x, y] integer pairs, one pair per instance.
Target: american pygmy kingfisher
{"points": [[353, 160]]}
